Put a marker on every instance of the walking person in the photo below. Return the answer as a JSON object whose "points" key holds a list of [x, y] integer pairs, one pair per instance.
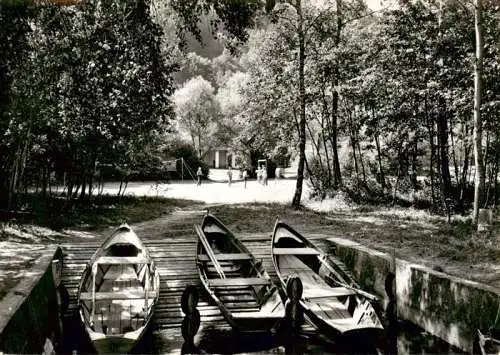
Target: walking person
{"points": [[264, 175], [199, 174], [245, 177], [229, 176]]}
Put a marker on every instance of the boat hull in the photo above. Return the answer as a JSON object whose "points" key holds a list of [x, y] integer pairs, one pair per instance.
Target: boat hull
{"points": [[338, 310], [264, 309], [254, 324], [127, 291], [114, 345], [367, 335]]}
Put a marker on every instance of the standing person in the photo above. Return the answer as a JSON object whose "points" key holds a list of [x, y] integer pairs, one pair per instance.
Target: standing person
{"points": [[230, 175], [259, 174], [199, 174], [245, 177], [264, 175]]}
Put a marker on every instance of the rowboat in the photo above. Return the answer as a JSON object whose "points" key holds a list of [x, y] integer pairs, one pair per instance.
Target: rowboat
{"points": [[326, 296], [117, 293], [235, 280]]}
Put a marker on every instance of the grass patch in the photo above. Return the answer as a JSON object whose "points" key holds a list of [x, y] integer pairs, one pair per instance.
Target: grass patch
{"points": [[463, 229], [249, 218], [103, 211]]}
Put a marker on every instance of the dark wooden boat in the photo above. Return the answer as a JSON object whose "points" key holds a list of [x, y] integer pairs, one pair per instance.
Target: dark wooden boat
{"points": [[118, 292], [327, 297], [236, 282]]}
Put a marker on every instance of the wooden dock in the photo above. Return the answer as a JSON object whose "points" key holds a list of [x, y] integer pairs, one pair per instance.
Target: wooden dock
{"points": [[173, 248]]}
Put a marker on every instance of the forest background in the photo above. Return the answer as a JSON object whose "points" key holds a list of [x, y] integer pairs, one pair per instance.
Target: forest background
{"points": [[393, 104]]}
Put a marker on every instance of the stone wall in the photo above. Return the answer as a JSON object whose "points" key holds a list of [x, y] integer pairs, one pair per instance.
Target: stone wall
{"points": [[448, 307], [29, 312]]}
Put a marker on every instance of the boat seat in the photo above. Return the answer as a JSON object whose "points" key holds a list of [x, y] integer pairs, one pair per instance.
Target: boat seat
{"points": [[227, 256], [322, 292], [118, 273], [122, 260], [238, 281], [295, 251], [117, 295]]}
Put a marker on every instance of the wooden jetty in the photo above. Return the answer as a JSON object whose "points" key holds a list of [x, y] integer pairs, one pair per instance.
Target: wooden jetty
{"points": [[172, 245]]}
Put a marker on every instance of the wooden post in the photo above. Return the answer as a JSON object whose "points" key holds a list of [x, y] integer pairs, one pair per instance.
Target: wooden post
{"points": [[146, 289], [485, 220], [94, 272]]}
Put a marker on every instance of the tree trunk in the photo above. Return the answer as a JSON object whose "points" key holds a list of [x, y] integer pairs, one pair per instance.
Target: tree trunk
{"points": [[199, 143], [70, 186], [327, 157], [302, 114], [44, 181], [455, 162], [465, 166], [379, 159], [478, 125], [495, 188], [431, 160], [361, 162], [337, 177], [490, 173], [316, 183], [414, 175], [335, 99], [353, 145], [11, 202], [120, 188], [84, 186], [316, 146], [325, 116], [442, 131]]}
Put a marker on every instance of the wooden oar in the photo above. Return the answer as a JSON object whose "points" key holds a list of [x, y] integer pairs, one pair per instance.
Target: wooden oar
{"points": [[355, 289], [209, 251]]}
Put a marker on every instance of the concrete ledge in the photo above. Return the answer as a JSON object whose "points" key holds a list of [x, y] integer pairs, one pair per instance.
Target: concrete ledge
{"points": [[448, 307], [369, 267], [28, 313]]}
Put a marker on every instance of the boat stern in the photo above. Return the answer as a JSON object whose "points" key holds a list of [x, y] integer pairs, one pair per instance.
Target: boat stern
{"points": [[271, 313], [361, 340], [255, 322], [114, 344]]}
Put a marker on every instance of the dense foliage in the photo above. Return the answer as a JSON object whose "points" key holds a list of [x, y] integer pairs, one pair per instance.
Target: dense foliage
{"points": [[377, 103], [389, 97], [86, 92]]}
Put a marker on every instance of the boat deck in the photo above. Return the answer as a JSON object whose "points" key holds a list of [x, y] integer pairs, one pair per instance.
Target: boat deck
{"points": [[173, 248]]}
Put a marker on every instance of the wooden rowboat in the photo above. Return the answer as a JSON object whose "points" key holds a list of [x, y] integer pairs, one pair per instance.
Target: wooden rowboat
{"points": [[236, 282], [118, 292], [328, 299]]}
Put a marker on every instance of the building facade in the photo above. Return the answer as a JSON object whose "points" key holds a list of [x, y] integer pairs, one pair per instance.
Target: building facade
{"points": [[221, 158]]}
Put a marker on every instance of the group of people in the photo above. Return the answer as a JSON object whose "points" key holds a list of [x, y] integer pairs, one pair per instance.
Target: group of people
{"points": [[261, 175]]}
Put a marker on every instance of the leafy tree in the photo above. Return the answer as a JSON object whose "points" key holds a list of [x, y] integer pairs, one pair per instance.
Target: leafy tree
{"points": [[197, 109], [102, 89]]}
